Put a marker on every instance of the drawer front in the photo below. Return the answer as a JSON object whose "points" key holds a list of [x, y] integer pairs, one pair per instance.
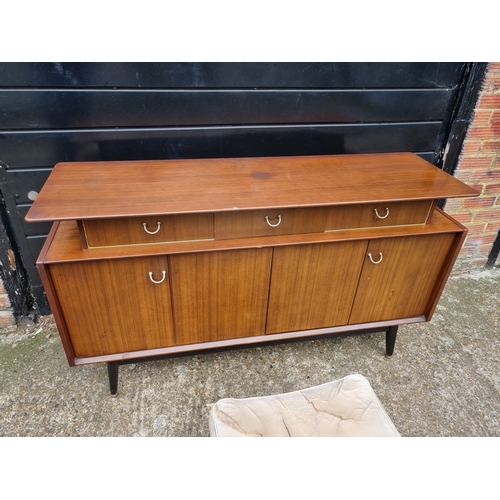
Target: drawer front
{"points": [[378, 215], [269, 222], [143, 230]]}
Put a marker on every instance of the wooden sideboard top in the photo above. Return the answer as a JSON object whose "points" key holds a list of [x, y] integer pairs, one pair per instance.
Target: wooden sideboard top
{"points": [[93, 190]]}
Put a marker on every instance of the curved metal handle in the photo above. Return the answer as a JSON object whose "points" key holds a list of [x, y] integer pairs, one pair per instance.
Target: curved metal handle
{"points": [[273, 225], [380, 216], [378, 261], [158, 224], [164, 273]]}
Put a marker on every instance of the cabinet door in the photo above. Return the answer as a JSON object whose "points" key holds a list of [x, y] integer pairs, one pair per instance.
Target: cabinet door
{"points": [[113, 306], [403, 279], [313, 286], [220, 295]]}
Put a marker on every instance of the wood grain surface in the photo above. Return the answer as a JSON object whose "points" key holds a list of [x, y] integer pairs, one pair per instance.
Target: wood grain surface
{"points": [[130, 230], [220, 295], [246, 224], [313, 286], [66, 245], [132, 188], [390, 214], [112, 306], [403, 284]]}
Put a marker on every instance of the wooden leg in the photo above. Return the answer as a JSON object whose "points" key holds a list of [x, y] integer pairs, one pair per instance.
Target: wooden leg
{"points": [[390, 340], [113, 378]]}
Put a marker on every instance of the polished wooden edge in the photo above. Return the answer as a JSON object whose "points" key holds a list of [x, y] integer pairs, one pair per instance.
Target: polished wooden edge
{"points": [[445, 273], [40, 211], [52, 296], [82, 216], [83, 234], [243, 342], [187, 161], [172, 299], [74, 253], [142, 244], [48, 243], [431, 212], [452, 257], [57, 312], [359, 279]]}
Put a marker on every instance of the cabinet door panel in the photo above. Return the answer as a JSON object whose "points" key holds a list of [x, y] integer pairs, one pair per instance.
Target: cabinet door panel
{"points": [[112, 306], [313, 286], [402, 284], [220, 295]]}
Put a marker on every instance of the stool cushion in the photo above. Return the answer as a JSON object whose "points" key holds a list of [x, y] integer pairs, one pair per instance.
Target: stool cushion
{"points": [[345, 407]]}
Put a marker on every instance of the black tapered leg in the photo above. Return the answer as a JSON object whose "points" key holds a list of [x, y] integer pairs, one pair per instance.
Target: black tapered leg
{"points": [[390, 340], [113, 377]]}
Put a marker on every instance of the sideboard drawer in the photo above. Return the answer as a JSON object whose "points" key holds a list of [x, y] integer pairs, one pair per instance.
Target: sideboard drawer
{"points": [[275, 221], [378, 215], [269, 222], [143, 230]]}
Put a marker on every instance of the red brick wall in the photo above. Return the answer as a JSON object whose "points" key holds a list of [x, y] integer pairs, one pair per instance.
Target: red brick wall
{"points": [[7, 320], [479, 166]]}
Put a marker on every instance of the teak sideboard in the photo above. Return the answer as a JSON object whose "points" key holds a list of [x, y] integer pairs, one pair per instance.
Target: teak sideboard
{"points": [[151, 258]]}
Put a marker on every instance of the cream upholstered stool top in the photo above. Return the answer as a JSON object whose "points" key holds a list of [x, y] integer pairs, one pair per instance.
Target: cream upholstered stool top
{"points": [[345, 407]]}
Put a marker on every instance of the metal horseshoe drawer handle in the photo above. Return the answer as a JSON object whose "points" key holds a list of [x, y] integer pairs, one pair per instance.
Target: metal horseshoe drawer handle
{"points": [[164, 273], [380, 216], [144, 225], [271, 224], [378, 261]]}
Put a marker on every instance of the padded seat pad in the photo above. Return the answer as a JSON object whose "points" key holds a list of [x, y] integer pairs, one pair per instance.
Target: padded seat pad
{"points": [[345, 407]]}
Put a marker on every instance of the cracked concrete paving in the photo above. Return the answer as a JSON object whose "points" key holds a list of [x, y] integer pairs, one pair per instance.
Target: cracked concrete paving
{"points": [[443, 380]]}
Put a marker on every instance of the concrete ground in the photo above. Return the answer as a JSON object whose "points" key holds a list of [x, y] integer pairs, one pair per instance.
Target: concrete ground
{"points": [[443, 380]]}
